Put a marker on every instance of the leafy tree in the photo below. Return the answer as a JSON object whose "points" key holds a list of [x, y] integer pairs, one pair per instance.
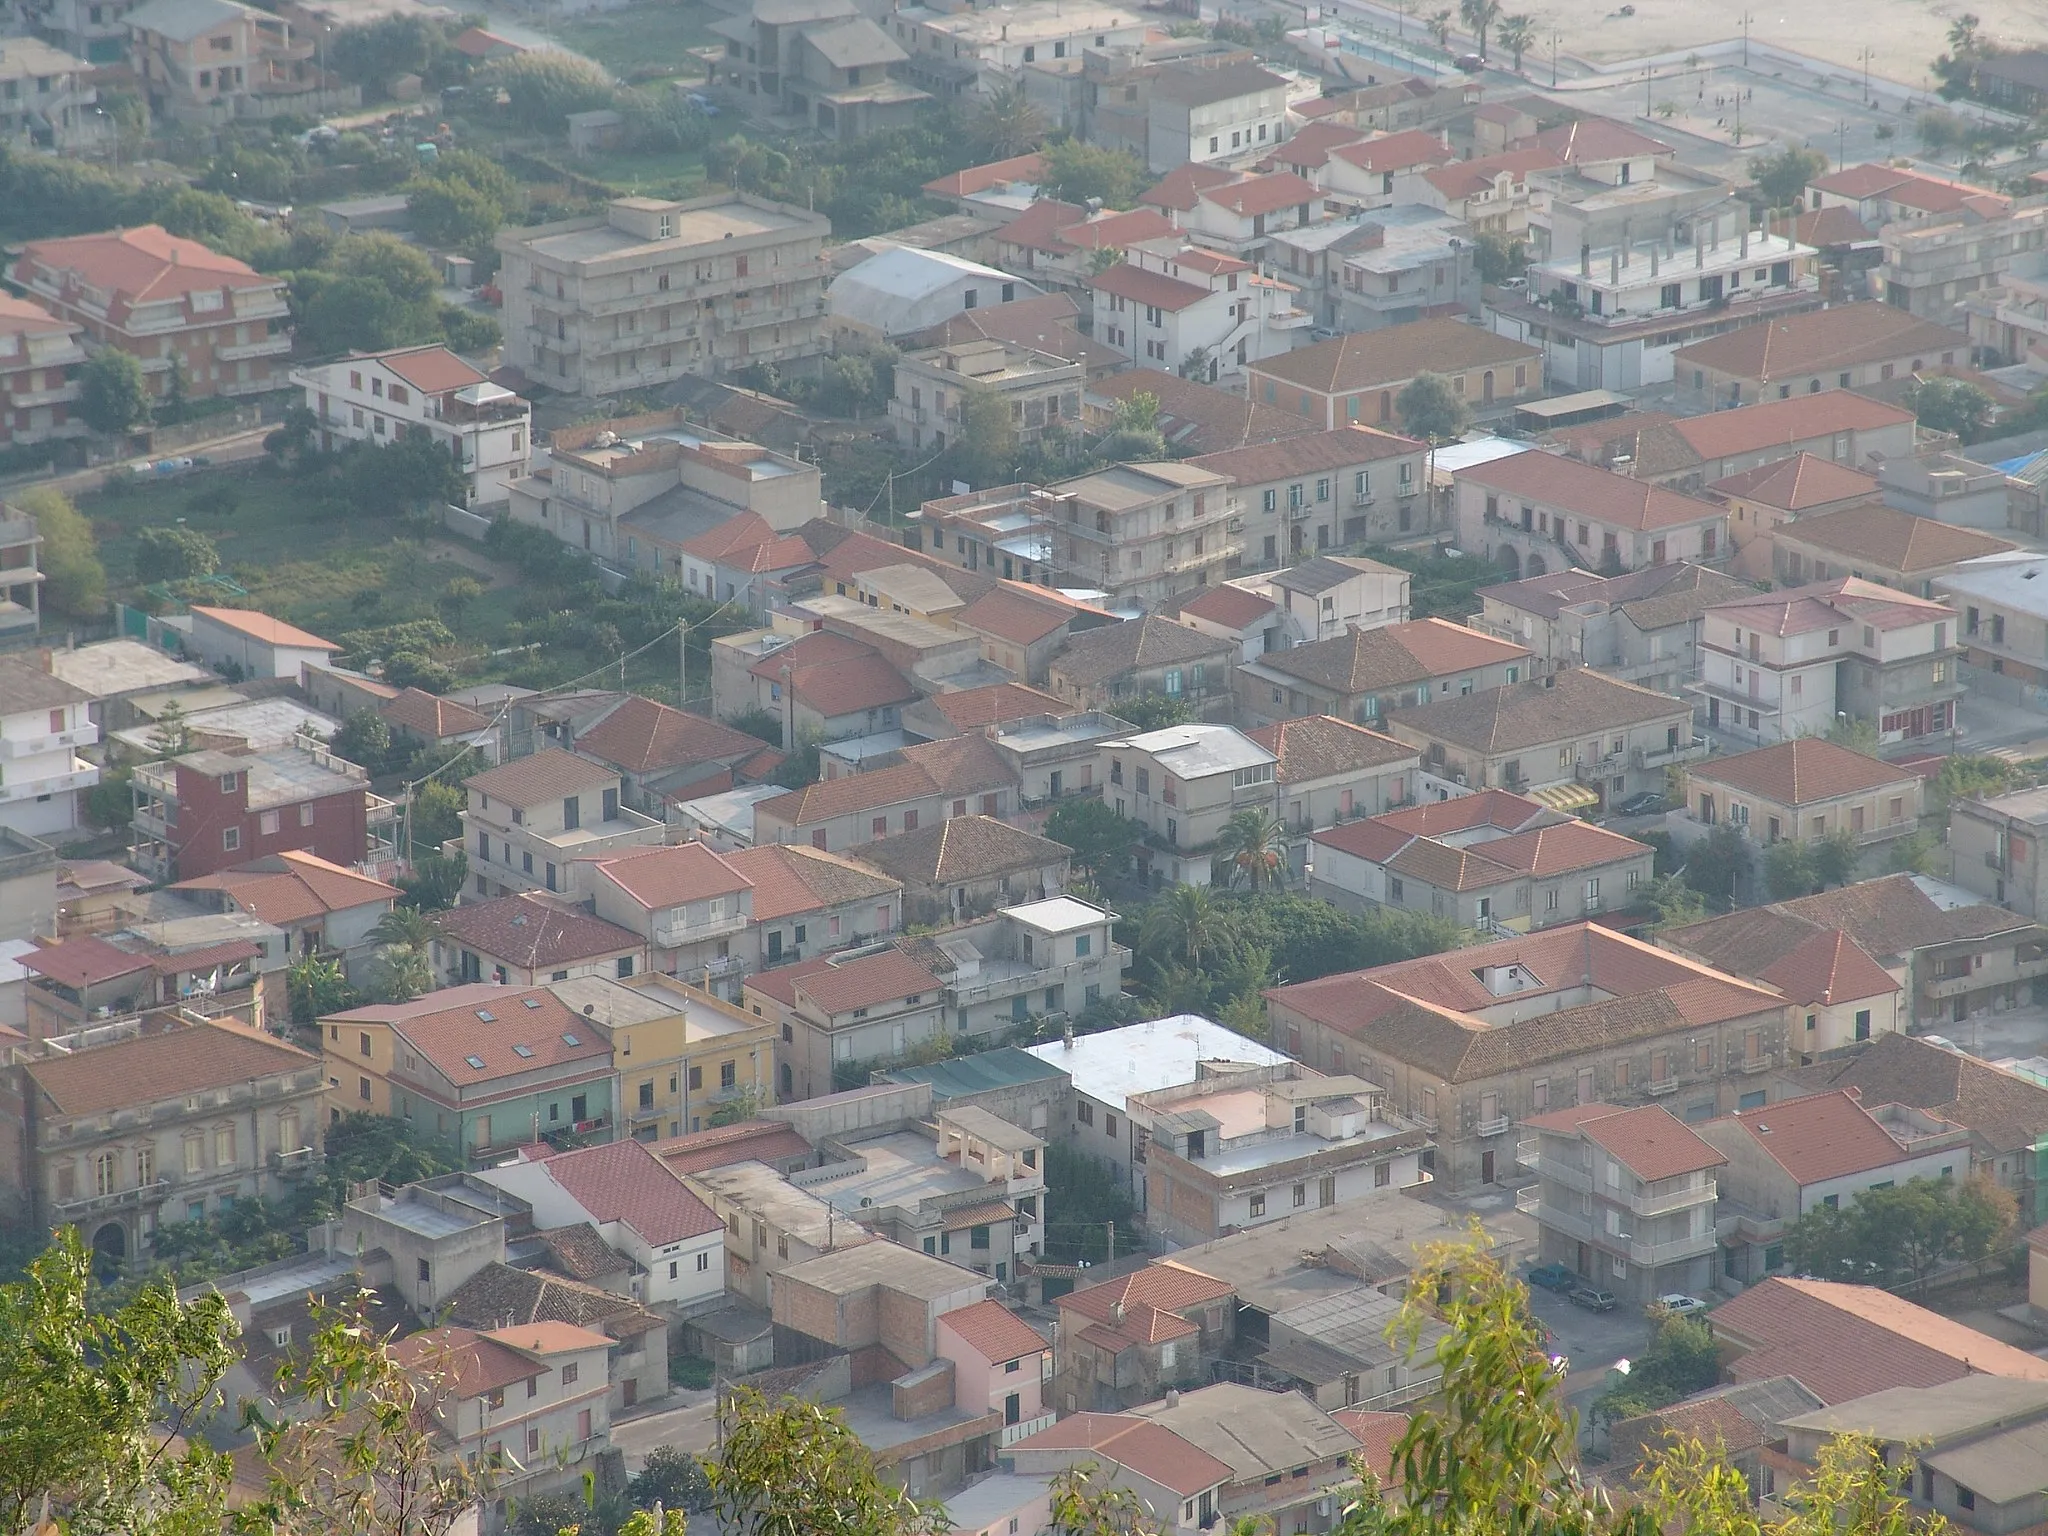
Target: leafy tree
{"points": [[1184, 927], [410, 669], [467, 330], [1951, 405], [1671, 902], [1139, 413], [1833, 856], [1253, 847], [293, 439], [1007, 124], [543, 86], [404, 928], [74, 581], [436, 814], [1781, 178], [394, 45], [672, 1478], [1479, 17], [1438, 26], [1101, 840], [376, 292], [799, 768], [547, 1514], [793, 1468], [1957, 67], [97, 1403], [1498, 256], [371, 1462], [403, 974], [409, 472], [111, 802], [113, 395], [1854, 732], [1156, 711], [1077, 172], [1681, 1359], [1788, 869], [459, 595], [1518, 35], [460, 200], [1430, 409], [1829, 1241], [1915, 854], [1968, 775], [742, 1106], [436, 881], [758, 722], [363, 739], [1715, 863], [1091, 1199], [316, 987], [1921, 1224], [982, 451]]}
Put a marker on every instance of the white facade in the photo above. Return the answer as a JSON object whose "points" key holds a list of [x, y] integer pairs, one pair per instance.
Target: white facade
{"points": [[1001, 40], [1213, 304], [42, 775], [901, 291], [487, 429]]}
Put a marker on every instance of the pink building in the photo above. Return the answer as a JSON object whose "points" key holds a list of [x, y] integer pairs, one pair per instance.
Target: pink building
{"points": [[1000, 1364]]}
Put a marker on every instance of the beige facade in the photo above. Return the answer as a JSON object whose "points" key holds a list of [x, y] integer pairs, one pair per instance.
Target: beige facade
{"points": [[1182, 784], [656, 291], [1996, 847], [933, 388], [212, 61]]}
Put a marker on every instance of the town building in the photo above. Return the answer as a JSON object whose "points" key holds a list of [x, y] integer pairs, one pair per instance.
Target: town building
{"points": [[586, 314], [1825, 1149], [1040, 961], [1934, 269], [1999, 617], [379, 397], [1641, 627], [170, 303], [966, 866], [1625, 1198], [320, 907], [771, 1223], [1874, 542], [480, 1069], [157, 954], [1134, 1339], [821, 61], [1359, 378], [1839, 348], [1182, 783], [689, 907], [1034, 391], [1996, 846], [40, 356], [1330, 770], [1533, 511], [682, 1056], [1206, 114], [637, 1366], [1000, 1365], [1292, 1437], [527, 938], [21, 583], [925, 785], [1363, 675], [966, 51], [210, 62], [535, 822], [1692, 452], [822, 686], [809, 902], [1572, 1015], [901, 292], [208, 811], [245, 643], [1325, 596], [1313, 493], [177, 1123], [1571, 739], [44, 776], [1394, 266], [839, 1015], [1492, 861], [1787, 664], [1762, 501], [1194, 310], [1192, 417], [1805, 788], [1102, 668]]}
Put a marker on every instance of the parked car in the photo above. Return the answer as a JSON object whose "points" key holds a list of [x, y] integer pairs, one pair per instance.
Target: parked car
{"points": [[1552, 1277], [1641, 805], [1678, 1304], [1469, 63], [1591, 1297]]}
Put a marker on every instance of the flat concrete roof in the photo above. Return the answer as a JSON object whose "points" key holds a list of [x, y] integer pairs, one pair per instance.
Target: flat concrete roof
{"points": [[1144, 1058], [760, 1189], [110, 667], [903, 1169], [694, 226], [884, 1263]]}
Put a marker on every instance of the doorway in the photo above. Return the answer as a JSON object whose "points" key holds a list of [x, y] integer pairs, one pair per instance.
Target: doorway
{"points": [[1486, 1167]]}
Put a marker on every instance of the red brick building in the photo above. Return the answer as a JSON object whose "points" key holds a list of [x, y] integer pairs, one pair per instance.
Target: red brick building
{"points": [[210, 810], [39, 360], [165, 302]]}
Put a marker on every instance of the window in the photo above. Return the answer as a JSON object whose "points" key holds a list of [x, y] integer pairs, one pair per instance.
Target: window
{"points": [[1109, 1125], [1258, 1205], [224, 1146], [1084, 1112], [230, 839]]}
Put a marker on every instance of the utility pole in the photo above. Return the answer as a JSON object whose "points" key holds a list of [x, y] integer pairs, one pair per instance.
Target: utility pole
{"points": [[1110, 1256], [1555, 38], [1841, 144], [1747, 18], [682, 666]]}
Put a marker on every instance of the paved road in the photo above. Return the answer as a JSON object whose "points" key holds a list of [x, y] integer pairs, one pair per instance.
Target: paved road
{"points": [[691, 1427], [222, 450]]}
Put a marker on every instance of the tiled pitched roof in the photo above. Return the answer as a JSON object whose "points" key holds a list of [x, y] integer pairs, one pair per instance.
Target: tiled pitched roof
{"points": [[748, 1141], [1564, 706], [1599, 138], [83, 960], [1200, 418], [1308, 454], [960, 848], [856, 792], [1038, 227], [1591, 492], [532, 932], [1848, 1341], [979, 178], [1824, 605], [416, 710], [1263, 194], [659, 878], [1118, 231], [293, 886], [1379, 838], [1165, 1284], [1232, 607], [498, 1291], [1802, 771], [432, 370], [1821, 341], [972, 708], [2009, 1112], [264, 629], [145, 265], [994, 1332], [1012, 612], [220, 1053], [1180, 188], [467, 1363], [790, 878], [839, 985], [1820, 1137], [1141, 285], [578, 1252], [1885, 538], [1151, 1450], [1797, 483], [1649, 1141], [1392, 656], [549, 774], [489, 1023], [848, 686], [1372, 359], [1097, 655], [1311, 147], [1377, 1435], [1320, 747], [641, 736], [1835, 225], [624, 1181], [1396, 151], [1826, 968], [1469, 178], [1776, 423]]}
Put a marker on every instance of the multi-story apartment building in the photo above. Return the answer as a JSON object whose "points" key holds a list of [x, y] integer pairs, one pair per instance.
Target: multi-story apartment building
{"points": [[168, 302], [635, 492], [532, 823], [1194, 311], [1392, 267], [21, 581], [1536, 511], [1358, 378], [480, 1069], [933, 388], [1208, 112], [207, 811], [2002, 619], [43, 722], [1787, 664], [1642, 627], [1840, 348], [1936, 270], [1045, 960], [175, 1123], [1571, 739], [977, 51], [824, 63], [379, 397], [1362, 675], [1182, 783], [1625, 1198], [679, 1054], [1996, 847], [209, 62], [1805, 788], [39, 360], [691, 907], [94, 31], [1580, 1014], [1322, 490], [2007, 314], [1142, 532], [838, 1012], [1101, 668], [46, 101], [653, 291]]}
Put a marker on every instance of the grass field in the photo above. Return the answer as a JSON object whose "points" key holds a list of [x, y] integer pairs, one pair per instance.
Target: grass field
{"points": [[641, 42]]}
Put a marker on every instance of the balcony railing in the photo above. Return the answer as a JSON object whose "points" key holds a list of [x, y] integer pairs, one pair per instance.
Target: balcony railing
{"points": [[1701, 1193], [1494, 1127], [1664, 757], [75, 1211], [1653, 1254]]}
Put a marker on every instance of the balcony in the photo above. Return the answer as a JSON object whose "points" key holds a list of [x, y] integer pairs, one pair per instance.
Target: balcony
{"points": [[1651, 1255], [1656, 1088], [1290, 320], [1664, 757], [1570, 1175], [1702, 1193], [1762, 1063], [14, 748], [1570, 1223], [679, 935], [27, 398], [1494, 1127], [270, 346], [78, 1212], [1010, 1434], [82, 775], [298, 1160]]}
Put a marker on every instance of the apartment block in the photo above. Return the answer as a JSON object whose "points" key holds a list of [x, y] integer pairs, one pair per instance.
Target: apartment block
{"points": [[40, 357], [533, 823], [43, 724], [208, 811], [1538, 511], [209, 62], [654, 291], [1197, 311], [1182, 783], [933, 386]]}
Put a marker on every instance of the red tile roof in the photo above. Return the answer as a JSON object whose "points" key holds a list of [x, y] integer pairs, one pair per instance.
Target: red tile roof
{"points": [[994, 1332], [1165, 1284], [531, 932], [1590, 492], [980, 178], [1322, 747], [972, 708], [1820, 1137], [416, 710], [1255, 463], [263, 628], [1599, 138], [1797, 483], [1777, 423], [469, 1364], [1016, 613], [1264, 194], [1151, 1450], [1823, 340], [1377, 1435], [1396, 151], [1848, 1341], [549, 774], [1232, 607], [1468, 178], [1649, 1141], [1180, 188], [1311, 147], [1803, 771], [1200, 417], [659, 878], [146, 1069], [487, 1022], [642, 736], [146, 265], [82, 961], [430, 370], [789, 879], [1038, 227], [1118, 231], [1826, 968], [748, 1141], [888, 976], [291, 887], [624, 1181], [1141, 286]]}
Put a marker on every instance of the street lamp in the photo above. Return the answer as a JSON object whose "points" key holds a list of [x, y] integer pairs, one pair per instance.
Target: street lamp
{"points": [[1747, 18], [1556, 37]]}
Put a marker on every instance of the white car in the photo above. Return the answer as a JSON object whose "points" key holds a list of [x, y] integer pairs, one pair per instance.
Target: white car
{"points": [[1678, 1304]]}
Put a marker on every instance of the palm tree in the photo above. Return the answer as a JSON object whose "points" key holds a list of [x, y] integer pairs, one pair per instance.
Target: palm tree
{"points": [[1479, 16], [403, 974], [1183, 927], [1439, 27], [1518, 35], [1253, 844], [1008, 123], [405, 928]]}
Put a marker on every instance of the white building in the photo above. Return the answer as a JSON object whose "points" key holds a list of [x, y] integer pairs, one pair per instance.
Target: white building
{"points": [[997, 41], [1195, 308], [377, 397], [245, 643], [43, 723], [1211, 115], [904, 290]]}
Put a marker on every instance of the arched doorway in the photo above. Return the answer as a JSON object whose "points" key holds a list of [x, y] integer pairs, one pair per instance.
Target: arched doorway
{"points": [[1511, 562], [1486, 387], [109, 1249], [1534, 566]]}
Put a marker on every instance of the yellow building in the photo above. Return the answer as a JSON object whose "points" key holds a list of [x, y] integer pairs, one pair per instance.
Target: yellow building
{"points": [[678, 1053]]}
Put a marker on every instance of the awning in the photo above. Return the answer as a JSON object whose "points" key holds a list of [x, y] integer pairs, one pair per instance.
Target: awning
{"points": [[1566, 797]]}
